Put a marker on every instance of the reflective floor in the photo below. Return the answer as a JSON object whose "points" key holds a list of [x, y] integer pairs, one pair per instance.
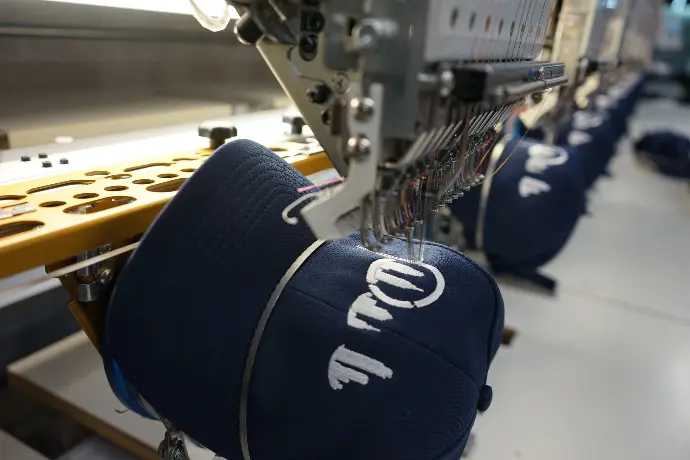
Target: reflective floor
{"points": [[602, 371]]}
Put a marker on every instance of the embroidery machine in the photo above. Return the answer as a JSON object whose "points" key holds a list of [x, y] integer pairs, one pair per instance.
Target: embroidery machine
{"points": [[599, 42], [404, 102]]}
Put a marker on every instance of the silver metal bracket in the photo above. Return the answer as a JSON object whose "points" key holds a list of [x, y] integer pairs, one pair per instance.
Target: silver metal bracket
{"points": [[92, 280]]}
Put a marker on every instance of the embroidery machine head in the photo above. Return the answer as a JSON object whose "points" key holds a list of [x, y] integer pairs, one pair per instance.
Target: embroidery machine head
{"points": [[592, 38], [404, 96]]}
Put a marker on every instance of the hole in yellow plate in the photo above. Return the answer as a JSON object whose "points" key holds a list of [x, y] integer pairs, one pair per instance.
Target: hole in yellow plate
{"points": [[120, 176], [85, 196], [167, 176], [52, 204], [148, 166], [15, 228], [188, 170], [170, 186], [4, 199], [102, 204], [59, 186], [116, 188], [97, 173], [143, 181], [185, 159]]}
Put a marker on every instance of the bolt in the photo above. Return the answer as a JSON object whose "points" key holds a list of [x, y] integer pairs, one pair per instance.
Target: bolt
{"points": [[340, 83], [362, 108], [105, 275], [358, 146], [64, 161], [319, 94], [26, 158], [366, 37], [372, 32], [447, 79], [47, 164], [42, 155]]}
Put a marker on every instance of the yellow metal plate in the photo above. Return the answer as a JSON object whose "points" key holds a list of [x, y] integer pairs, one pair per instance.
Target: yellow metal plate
{"points": [[82, 210]]}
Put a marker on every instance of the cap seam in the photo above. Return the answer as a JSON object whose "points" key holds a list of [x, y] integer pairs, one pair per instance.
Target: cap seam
{"points": [[382, 327], [494, 288]]}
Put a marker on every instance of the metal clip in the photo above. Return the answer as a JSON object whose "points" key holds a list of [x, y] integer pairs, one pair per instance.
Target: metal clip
{"points": [[178, 446]]}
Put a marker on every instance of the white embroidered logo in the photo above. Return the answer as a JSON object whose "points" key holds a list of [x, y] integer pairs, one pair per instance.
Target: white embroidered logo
{"points": [[578, 138], [385, 271], [603, 102], [542, 157], [587, 120], [383, 276], [343, 365], [529, 186]]}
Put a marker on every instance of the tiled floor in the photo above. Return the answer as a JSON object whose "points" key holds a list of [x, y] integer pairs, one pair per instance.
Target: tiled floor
{"points": [[602, 371]]}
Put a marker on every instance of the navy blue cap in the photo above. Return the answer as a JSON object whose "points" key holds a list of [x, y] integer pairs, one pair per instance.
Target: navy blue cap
{"points": [[595, 134], [665, 151], [590, 137], [533, 206], [365, 355]]}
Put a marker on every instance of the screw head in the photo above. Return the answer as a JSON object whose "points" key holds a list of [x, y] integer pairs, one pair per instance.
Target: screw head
{"points": [[47, 164], [362, 108], [105, 275], [340, 83], [358, 146], [319, 94], [366, 36], [447, 79]]}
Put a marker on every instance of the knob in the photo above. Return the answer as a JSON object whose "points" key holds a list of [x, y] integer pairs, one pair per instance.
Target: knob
{"points": [[217, 133], [296, 123], [247, 30]]}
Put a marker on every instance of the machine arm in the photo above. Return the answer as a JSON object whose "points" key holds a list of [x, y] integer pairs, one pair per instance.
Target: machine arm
{"points": [[403, 95]]}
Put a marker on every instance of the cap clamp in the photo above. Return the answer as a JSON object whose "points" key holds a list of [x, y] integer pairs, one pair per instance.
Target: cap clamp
{"points": [[256, 341], [178, 446]]}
